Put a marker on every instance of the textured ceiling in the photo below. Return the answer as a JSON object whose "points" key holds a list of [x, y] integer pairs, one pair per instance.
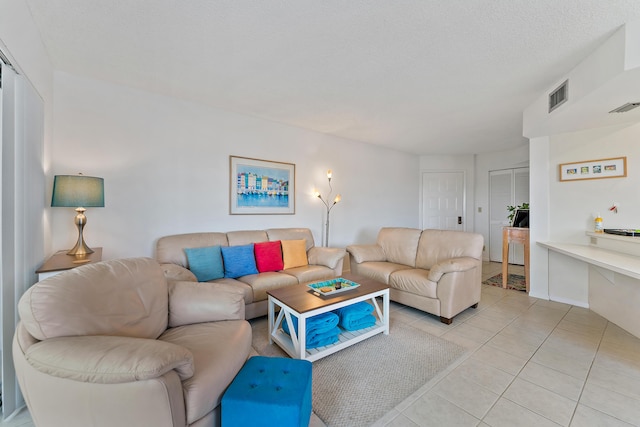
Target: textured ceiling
{"points": [[422, 76]]}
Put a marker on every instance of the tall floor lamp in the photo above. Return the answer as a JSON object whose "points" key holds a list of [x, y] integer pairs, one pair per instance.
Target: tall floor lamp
{"points": [[80, 192], [328, 205]]}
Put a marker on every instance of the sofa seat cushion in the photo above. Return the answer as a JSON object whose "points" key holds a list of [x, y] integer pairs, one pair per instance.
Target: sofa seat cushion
{"points": [[310, 273], [263, 282], [219, 350], [415, 281], [246, 289], [380, 271]]}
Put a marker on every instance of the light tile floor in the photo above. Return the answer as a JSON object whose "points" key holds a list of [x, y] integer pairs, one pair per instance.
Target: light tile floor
{"points": [[531, 362]]}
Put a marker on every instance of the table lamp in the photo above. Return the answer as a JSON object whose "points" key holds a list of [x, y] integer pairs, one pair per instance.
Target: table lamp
{"points": [[80, 192]]}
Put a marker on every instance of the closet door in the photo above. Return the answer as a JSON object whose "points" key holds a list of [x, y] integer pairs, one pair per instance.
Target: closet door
{"points": [[507, 187]]}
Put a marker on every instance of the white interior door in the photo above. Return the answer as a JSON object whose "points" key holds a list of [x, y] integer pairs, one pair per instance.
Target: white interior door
{"points": [[443, 200], [507, 187]]}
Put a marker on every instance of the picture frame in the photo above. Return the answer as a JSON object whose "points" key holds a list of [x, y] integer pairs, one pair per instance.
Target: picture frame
{"points": [[261, 187], [615, 167]]}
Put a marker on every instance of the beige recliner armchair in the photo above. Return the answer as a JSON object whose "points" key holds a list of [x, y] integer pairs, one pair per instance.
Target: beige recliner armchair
{"points": [[112, 344]]}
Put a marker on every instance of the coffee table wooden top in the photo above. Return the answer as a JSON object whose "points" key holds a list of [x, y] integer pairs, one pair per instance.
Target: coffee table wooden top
{"points": [[301, 298]]}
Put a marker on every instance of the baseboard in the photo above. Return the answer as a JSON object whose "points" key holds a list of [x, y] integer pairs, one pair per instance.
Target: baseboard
{"points": [[569, 301]]}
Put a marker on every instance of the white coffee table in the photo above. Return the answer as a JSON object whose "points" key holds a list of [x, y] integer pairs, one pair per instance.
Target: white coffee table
{"points": [[301, 302]]}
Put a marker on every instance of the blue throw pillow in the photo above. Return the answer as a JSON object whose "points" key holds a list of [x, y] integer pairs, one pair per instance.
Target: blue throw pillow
{"points": [[205, 263], [239, 261]]}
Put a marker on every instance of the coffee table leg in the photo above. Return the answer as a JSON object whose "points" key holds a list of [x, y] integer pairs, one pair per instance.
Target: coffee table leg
{"points": [[385, 315], [302, 336], [270, 317], [292, 331]]}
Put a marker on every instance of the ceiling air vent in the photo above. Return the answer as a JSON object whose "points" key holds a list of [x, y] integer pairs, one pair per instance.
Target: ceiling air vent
{"points": [[559, 96], [626, 107]]}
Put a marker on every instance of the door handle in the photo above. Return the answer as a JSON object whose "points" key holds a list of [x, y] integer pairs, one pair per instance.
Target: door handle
{"points": [[459, 220]]}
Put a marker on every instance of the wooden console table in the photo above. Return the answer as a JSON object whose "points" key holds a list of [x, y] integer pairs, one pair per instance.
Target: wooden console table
{"points": [[514, 235]]}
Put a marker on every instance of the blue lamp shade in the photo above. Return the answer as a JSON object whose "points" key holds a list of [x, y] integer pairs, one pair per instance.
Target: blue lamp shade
{"points": [[73, 191]]}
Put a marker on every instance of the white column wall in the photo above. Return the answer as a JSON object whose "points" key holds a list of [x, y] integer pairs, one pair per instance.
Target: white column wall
{"points": [[539, 176]]}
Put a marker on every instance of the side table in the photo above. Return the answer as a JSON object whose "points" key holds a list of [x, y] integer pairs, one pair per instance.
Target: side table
{"points": [[60, 262], [515, 235]]}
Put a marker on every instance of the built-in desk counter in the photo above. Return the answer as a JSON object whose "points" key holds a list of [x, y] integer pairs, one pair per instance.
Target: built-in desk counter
{"points": [[622, 263], [612, 274]]}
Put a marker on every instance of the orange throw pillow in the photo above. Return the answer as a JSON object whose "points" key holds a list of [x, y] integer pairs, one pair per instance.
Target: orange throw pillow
{"points": [[294, 253]]}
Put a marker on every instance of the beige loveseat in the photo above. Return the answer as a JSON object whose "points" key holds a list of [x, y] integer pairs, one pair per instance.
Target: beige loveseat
{"points": [[437, 271], [112, 344], [323, 263]]}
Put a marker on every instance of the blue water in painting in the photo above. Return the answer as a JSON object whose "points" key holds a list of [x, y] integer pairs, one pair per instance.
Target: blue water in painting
{"points": [[262, 201]]}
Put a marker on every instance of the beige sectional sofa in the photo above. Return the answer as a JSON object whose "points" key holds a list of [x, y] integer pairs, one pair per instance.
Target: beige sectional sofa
{"points": [[113, 344], [323, 263], [437, 271]]}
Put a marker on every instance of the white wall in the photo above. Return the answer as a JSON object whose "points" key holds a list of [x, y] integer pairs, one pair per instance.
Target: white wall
{"points": [[166, 168], [486, 162], [574, 203]]}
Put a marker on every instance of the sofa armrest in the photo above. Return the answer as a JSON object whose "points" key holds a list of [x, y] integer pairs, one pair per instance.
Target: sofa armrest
{"points": [[175, 272], [192, 302], [450, 266], [364, 253], [329, 257], [109, 359]]}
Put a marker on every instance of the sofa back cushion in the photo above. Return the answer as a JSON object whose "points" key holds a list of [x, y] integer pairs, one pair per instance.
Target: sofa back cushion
{"points": [[292, 234], [438, 245], [244, 237], [127, 297], [399, 244], [170, 249]]}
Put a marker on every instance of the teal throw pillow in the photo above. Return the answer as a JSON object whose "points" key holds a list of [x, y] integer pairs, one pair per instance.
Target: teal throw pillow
{"points": [[239, 261], [205, 263]]}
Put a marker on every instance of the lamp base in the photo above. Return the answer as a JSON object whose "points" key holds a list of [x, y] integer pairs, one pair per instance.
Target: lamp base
{"points": [[80, 249]]}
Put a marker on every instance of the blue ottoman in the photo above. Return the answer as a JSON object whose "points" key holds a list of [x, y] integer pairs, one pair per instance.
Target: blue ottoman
{"points": [[269, 391]]}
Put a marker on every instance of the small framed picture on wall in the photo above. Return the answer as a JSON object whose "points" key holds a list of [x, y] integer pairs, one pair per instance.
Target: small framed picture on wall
{"points": [[615, 167]]}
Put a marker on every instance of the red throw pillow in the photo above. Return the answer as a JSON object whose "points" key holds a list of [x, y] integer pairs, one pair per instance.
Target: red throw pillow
{"points": [[268, 256]]}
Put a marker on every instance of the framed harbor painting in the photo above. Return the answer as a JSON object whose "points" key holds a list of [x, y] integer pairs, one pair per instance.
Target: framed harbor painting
{"points": [[594, 169], [261, 187]]}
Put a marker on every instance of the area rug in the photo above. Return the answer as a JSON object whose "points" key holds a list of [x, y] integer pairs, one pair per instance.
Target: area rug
{"points": [[358, 385], [514, 281]]}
